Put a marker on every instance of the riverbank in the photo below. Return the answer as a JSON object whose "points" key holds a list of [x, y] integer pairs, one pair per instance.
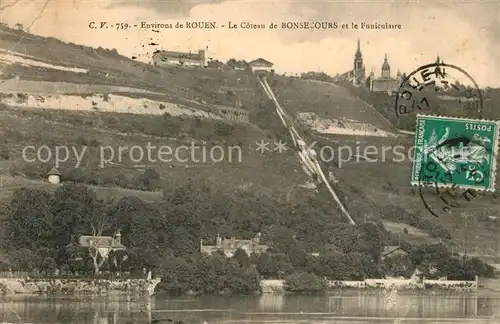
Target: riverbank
{"points": [[143, 287], [347, 307], [276, 286]]}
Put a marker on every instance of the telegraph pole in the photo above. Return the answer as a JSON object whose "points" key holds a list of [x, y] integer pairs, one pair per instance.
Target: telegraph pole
{"points": [[466, 217]]}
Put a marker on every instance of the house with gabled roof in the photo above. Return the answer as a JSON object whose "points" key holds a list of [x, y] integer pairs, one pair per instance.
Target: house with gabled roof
{"points": [[103, 244], [261, 64], [165, 58], [392, 250], [229, 246]]}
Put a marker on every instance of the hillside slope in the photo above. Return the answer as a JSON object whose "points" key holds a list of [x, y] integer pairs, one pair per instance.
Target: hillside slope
{"points": [[372, 190]]}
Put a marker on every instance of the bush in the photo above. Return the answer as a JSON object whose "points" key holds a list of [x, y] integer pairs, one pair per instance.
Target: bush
{"points": [[4, 153], [303, 282], [148, 180], [223, 129], [75, 175]]}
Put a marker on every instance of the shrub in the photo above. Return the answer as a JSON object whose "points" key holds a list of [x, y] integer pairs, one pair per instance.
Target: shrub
{"points": [[303, 282]]}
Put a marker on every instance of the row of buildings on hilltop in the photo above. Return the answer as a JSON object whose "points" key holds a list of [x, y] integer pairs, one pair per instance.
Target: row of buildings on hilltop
{"points": [[165, 58], [200, 59], [231, 113]]}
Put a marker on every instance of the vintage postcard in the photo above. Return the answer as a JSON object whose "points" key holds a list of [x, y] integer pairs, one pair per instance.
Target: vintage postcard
{"points": [[238, 161]]}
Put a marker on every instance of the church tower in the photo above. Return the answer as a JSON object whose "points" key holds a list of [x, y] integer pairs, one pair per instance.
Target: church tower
{"points": [[359, 67], [386, 69], [439, 70]]}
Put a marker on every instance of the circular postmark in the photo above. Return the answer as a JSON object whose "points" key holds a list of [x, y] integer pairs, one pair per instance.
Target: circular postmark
{"points": [[440, 88], [443, 184], [448, 198]]}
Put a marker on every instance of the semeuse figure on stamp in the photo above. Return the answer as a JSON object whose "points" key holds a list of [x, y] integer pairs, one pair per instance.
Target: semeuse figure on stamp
{"points": [[450, 153], [463, 155]]}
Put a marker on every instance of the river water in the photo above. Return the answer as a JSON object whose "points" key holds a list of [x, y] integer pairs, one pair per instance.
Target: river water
{"points": [[349, 307]]}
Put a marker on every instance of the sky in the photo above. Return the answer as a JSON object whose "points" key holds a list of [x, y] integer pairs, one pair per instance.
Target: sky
{"points": [[463, 33]]}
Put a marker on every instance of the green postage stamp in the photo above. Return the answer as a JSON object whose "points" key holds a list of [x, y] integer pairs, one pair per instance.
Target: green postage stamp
{"points": [[455, 152]]}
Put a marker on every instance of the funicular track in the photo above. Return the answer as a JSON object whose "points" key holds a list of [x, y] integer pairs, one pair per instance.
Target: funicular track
{"points": [[307, 156]]}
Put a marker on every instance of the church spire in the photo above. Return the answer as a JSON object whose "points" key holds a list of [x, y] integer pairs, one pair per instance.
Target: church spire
{"points": [[359, 67], [386, 65], [358, 50], [386, 69]]}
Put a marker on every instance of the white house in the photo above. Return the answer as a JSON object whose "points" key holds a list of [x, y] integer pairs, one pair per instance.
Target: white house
{"points": [[165, 58], [54, 176], [261, 65], [229, 246]]}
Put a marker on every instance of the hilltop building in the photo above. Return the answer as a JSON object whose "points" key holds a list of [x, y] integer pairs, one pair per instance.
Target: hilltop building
{"points": [[261, 65], [229, 246], [359, 76], [385, 83], [171, 58]]}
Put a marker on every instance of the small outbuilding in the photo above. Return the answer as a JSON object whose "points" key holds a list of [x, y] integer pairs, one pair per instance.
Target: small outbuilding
{"points": [[54, 176]]}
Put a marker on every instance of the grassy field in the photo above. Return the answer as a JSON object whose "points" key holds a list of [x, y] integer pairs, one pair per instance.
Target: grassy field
{"points": [[372, 190], [21, 128], [326, 101]]}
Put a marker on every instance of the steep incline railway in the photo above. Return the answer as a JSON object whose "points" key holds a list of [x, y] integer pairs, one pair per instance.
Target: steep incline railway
{"points": [[307, 156]]}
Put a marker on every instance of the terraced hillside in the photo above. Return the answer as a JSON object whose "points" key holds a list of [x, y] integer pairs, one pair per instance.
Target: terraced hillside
{"points": [[377, 190], [327, 100]]}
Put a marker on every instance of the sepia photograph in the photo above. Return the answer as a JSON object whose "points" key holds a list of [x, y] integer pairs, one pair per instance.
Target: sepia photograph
{"points": [[244, 161]]}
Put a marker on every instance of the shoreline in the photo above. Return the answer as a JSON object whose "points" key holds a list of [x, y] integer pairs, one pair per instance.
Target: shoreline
{"points": [[14, 286], [271, 286]]}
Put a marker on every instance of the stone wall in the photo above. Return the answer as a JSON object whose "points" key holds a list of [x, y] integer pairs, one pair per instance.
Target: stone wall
{"points": [[385, 85], [232, 113], [270, 286], [100, 103], [277, 286], [48, 87], [50, 286]]}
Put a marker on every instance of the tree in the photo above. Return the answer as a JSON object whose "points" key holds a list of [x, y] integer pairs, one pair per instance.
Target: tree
{"points": [[73, 206], [30, 219], [232, 63], [97, 252], [242, 258], [148, 180], [214, 64], [78, 211], [305, 283]]}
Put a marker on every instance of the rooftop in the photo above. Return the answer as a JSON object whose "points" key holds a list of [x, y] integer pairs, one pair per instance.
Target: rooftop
{"points": [[53, 171], [100, 242], [390, 249], [260, 60], [178, 55]]}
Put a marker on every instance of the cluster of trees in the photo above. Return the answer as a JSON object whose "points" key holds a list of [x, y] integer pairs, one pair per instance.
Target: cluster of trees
{"points": [[232, 63], [41, 232], [318, 76]]}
